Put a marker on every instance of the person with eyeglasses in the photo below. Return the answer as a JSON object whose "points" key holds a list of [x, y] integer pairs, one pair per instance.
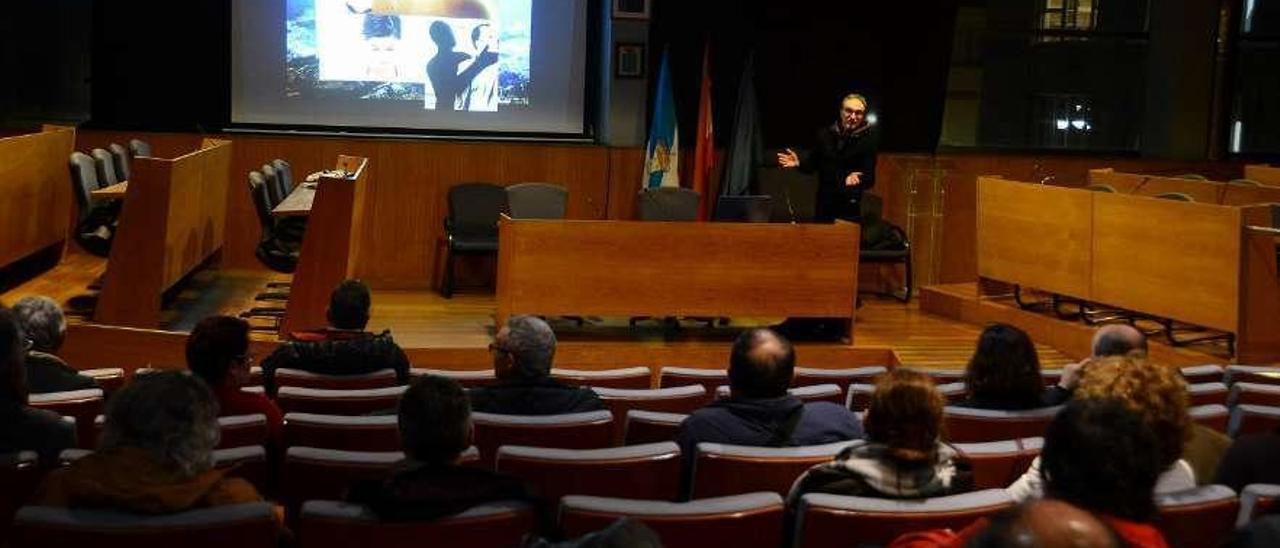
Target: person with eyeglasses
{"points": [[24, 428], [218, 353], [522, 354], [844, 158]]}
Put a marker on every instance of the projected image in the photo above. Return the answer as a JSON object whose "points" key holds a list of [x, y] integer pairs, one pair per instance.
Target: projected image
{"points": [[469, 55]]}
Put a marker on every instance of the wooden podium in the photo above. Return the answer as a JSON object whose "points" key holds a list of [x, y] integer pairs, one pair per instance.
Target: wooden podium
{"points": [[633, 268], [329, 247]]}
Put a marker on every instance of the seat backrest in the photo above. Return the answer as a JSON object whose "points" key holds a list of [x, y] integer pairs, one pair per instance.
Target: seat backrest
{"points": [[1206, 393], [1255, 500], [284, 174], [811, 393], [1253, 419], [467, 378], [138, 148], [668, 204], [248, 462], [105, 165], [374, 433], [109, 379], [793, 192], [1244, 182], [261, 202], [332, 524], [1175, 196], [20, 474], [537, 201], [383, 378], [680, 399], [243, 431], [650, 471], [1192, 176], [338, 402], [722, 469], [1204, 516], [273, 184], [591, 430], [997, 464], [474, 209], [1101, 188], [84, 180], [121, 157], [753, 519], [1254, 394], [710, 379], [83, 405], [833, 520], [249, 525], [968, 425], [1215, 416], [1203, 373], [630, 378], [308, 473], [650, 427], [1252, 373], [805, 376]]}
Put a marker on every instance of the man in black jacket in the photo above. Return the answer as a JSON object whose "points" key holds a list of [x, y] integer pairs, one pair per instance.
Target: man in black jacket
{"points": [[844, 158], [522, 354], [45, 326], [342, 348]]}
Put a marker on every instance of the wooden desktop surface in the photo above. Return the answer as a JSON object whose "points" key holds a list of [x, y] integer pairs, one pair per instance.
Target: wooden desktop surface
{"points": [[298, 203], [633, 268], [114, 192]]}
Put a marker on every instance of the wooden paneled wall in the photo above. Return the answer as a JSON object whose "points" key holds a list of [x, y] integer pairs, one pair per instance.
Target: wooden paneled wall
{"points": [[35, 192]]}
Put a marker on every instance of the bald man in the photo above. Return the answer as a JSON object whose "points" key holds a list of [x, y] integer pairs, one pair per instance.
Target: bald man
{"points": [[1046, 524], [759, 411], [1108, 340]]}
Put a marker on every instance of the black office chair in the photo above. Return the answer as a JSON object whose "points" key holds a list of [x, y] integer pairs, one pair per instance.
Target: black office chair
{"points": [[139, 148], [668, 204], [744, 209], [277, 254], [884, 242], [284, 176], [105, 166], [273, 185], [94, 222], [794, 193], [1175, 196], [121, 157], [472, 225], [537, 201]]}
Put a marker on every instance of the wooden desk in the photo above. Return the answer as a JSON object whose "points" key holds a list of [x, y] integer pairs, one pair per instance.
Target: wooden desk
{"points": [[632, 268], [114, 192], [1262, 173], [1202, 191], [331, 245], [35, 192]]}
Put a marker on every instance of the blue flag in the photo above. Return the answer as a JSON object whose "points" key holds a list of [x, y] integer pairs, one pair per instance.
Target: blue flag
{"points": [[662, 155]]}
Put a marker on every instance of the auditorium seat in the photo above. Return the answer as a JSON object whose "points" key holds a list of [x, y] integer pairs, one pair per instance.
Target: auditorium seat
{"points": [[722, 469], [248, 525], [590, 430], [20, 474], [805, 376], [332, 524], [139, 148], [1252, 373], [1215, 416], [680, 399], [273, 184], [808, 393], [537, 201], [248, 462], [944, 376], [670, 377], [109, 379], [649, 427], [968, 425], [1255, 500], [308, 473], [341, 432], [467, 378], [120, 157], [83, 405], [338, 402], [94, 220], [284, 176], [305, 379], [276, 250], [754, 519], [859, 395], [105, 166], [471, 227], [841, 521], [1253, 419], [1254, 394], [627, 378], [1203, 373], [997, 464], [668, 204], [1207, 393], [1203, 517], [650, 471], [243, 430]]}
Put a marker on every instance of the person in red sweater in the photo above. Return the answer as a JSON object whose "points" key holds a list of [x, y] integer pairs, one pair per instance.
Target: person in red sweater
{"points": [[218, 353]]}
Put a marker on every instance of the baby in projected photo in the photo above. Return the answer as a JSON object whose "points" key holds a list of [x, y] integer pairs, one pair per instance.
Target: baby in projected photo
{"points": [[449, 80], [382, 35]]}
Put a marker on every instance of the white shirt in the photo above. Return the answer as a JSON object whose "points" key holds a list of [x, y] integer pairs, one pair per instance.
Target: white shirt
{"points": [[1178, 477]]}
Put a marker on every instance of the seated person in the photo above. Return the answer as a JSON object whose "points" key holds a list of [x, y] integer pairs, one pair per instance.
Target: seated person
{"points": [[1251, 459], [759, 411], [1004, 373], [155, 456], [1046, 523], [904, 456], [435, 428], [522, 354], [343, 348], [218, 353], [1155, 393], [23, 428], [45, 327]]}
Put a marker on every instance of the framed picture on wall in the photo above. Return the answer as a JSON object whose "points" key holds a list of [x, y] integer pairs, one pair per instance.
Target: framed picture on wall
{"points": [[628, 60], [631, 9]]}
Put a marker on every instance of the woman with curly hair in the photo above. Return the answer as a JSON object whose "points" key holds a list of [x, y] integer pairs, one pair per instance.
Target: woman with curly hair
{"points": [[1157, 394], [903, 456], [1004, 373]]}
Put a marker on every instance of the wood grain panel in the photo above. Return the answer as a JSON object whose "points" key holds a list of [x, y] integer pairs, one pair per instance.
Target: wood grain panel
{"points": [[1258, 340], [1035, 235], [1262, 173], [1211, 192], [35, 192], [1172, 259]]}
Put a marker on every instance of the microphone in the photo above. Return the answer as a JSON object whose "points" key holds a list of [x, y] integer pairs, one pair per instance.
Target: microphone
{"points": [[786, 193]]}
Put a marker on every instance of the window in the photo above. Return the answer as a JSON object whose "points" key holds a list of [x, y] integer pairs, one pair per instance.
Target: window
{"points": [[1067, 15], [1063, 121]]}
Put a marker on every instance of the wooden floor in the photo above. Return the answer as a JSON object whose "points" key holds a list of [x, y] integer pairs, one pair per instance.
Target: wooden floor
{"points": [[462, 327]]}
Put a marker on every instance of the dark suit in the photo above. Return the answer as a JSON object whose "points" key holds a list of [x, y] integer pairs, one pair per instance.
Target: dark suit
{"points": [[834, 156]]}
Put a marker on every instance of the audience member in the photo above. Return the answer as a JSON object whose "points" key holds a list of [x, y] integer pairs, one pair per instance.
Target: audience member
{"points": [[21, 427], [903, 456], [760, 412], [1046, 524], [435, 428], [155, 456], [1252, 459], [1155, 393], [45, 327], [523, 351], [1004, 373], [342, 348], [622, 533], [218, 353]]}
